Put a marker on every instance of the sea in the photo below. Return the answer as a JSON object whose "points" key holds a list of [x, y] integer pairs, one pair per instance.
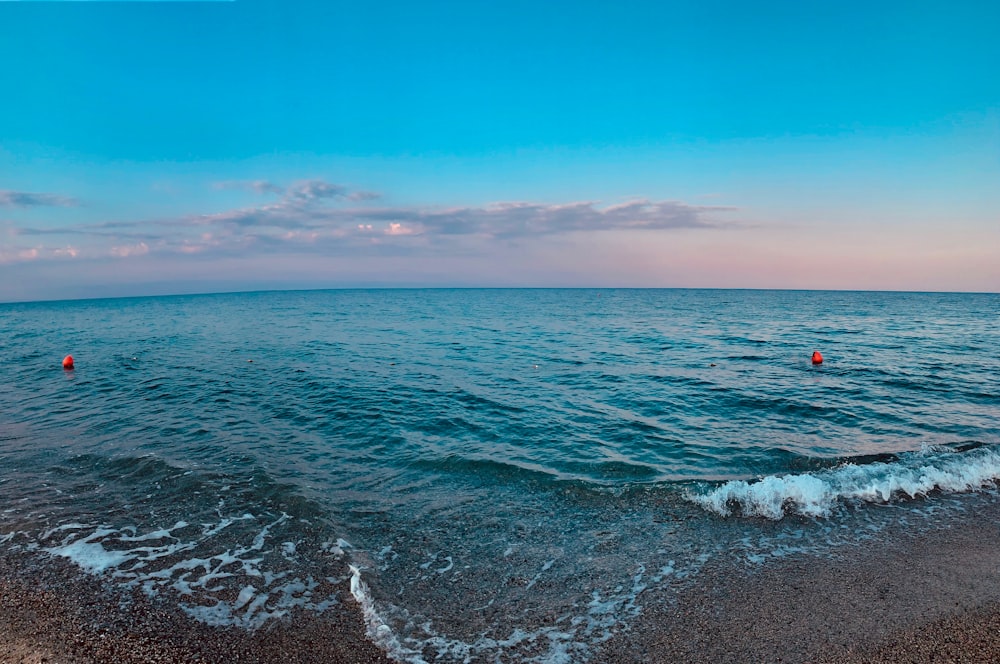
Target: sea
{"points": [[488, 475]]}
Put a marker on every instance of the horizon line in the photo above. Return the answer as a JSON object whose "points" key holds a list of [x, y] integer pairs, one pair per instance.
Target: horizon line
{"points": [[495, 288]]}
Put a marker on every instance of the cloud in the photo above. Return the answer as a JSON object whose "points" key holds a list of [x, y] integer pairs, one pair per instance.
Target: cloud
{"points": [[361, 196], [523, 219], [36, 253], [24, 199], [259, 186], [301, 191], [305, 205], [139, 249], [312, 190], [397, 229], [319, 217]]}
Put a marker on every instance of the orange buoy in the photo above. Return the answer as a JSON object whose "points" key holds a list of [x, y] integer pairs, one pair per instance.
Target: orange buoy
{"points": [[817, 358], [68, 362]]}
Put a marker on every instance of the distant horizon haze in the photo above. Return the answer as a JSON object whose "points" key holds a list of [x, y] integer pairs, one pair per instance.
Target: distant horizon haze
{"points": [[600, 289]]}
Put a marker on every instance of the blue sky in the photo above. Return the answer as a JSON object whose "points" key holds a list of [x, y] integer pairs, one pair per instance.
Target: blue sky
{"points": [[179, 147]]}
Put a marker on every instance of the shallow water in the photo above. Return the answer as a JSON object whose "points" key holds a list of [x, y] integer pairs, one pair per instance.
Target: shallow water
{"points": [[497, 473]]}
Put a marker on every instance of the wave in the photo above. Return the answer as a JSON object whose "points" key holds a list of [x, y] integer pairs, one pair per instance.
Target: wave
{"points": [[819, 493], [377, 630]]}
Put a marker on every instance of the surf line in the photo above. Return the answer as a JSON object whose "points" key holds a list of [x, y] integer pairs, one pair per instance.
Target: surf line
{"points": [[377, 630]]}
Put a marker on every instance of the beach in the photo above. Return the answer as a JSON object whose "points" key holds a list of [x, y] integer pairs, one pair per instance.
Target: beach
{"points": [[50, 611], [929, 596]]}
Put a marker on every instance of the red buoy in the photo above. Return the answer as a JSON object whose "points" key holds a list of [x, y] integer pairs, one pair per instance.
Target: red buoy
{"points": [[817, 358], [68, 362]]}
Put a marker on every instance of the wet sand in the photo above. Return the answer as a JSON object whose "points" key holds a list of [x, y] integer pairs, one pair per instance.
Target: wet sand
{"points": [[932, 596], [52, 612]]}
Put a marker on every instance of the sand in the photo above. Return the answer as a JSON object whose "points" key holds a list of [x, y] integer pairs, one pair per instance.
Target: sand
{"points": [[51, 612], [932, 596]]}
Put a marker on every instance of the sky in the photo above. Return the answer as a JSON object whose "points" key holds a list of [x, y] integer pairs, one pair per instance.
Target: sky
{"points": [[176, 147]]}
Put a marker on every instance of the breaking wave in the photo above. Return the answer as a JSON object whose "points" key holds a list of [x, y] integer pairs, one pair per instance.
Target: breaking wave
{"points": [[819, 493]]}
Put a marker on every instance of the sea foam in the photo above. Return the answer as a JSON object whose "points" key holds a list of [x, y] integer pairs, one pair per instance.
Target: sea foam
{"points": [[817, 494], [375, 627], [199, 568]]}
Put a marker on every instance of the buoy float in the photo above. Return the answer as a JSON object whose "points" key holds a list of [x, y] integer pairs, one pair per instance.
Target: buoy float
{"points": [[817, 358], [68, 362]]}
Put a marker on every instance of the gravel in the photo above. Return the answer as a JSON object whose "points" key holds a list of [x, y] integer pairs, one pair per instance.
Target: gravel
{"points": [[51, 612], [929, 596]]}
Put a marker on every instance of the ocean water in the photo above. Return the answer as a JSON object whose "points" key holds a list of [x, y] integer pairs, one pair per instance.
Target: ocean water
{"points": [[495, 475]]}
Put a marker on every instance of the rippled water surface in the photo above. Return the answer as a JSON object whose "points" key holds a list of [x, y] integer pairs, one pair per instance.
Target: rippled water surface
{"points": [[505, 471]]}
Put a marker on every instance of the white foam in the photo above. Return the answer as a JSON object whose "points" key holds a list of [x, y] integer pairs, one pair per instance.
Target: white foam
{"points": [[91, 556], [66, 526], [164, 562], [375, 627], [545, 568], [336, 549], [817, 494], [163, 533], [570, 637], [552, 645], [258, 540], [385, 557]]}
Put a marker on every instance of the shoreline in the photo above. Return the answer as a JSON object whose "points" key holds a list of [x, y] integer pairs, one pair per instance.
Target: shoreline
{"points": [[927, 595], [51, 611]]}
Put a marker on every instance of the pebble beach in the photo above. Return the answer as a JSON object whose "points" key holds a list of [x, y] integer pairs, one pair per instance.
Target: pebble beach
{"points": [[906, 601]]}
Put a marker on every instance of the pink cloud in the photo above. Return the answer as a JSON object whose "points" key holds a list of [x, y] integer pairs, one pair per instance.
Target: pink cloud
{"points": [[139, 249], [398, 229]]}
